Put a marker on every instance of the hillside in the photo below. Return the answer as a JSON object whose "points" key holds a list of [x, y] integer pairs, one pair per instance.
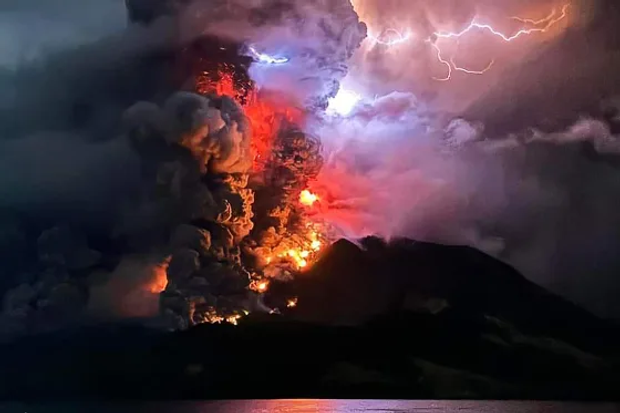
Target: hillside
{"points": [[404, 320]]}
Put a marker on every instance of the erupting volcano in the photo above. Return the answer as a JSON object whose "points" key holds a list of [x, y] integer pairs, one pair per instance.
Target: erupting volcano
{"points": [[252, 160], [213, 174]]}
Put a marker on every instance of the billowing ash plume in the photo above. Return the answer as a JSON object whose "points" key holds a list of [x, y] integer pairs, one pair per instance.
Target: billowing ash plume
{"points": [[542, 201], [320, 37], [519, 161], [164, 213]]}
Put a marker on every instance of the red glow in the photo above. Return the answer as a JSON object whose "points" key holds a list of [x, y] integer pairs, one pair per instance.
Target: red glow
{"points": [[265, 112]]}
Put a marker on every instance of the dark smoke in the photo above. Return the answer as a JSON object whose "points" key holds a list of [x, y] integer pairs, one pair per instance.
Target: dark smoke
{"points": [[125, 193], [110, 176]]}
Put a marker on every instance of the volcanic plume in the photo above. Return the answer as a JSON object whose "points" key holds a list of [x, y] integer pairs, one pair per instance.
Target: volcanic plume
{"points": [[224, 144], [220, 163]]}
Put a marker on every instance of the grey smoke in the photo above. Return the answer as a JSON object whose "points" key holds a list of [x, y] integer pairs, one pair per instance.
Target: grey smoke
{"points": [[33, 29], [542, 201], [518, 174], [521, 162]]}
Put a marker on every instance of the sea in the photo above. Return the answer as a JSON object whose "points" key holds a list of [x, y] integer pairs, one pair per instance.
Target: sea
{"points": [[314, 406]]}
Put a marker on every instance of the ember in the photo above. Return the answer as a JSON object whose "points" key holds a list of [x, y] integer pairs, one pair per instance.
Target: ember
{"points": [[307, 198], [265, 114], [283, 158], [248, 213], [292, 303], [214, 164]]}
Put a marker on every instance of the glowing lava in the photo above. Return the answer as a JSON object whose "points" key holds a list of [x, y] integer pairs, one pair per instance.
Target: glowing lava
{"points": [[292, 244], [307, 198], [259, 286], [266, 115]]}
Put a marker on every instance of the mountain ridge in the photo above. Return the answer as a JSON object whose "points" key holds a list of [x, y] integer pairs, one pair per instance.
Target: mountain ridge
{"points": [[402, 319]]}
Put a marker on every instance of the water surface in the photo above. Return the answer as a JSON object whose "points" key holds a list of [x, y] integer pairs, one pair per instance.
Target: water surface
{"points": [[317, 406], [398, 406]]}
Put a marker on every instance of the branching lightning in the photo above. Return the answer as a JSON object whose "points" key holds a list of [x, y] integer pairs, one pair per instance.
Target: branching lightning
{"points": [[268, 59], [471, 71], [531, 27], [543, 20], [550, 22], [442, 61]]}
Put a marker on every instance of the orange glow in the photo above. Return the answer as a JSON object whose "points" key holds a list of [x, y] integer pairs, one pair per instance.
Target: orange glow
{"points": [[159, 280], [259, 286], [265, 113], [233, 319], [307, 198], [316, 245], [298, 249]]}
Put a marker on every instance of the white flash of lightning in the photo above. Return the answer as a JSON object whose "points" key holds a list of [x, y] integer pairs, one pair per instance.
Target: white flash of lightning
{"points": [[343, 103], [267, 59], [474, 25], [394, 39]]}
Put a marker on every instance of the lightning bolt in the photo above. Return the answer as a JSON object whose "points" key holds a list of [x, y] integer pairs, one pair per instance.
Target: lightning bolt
{"points": [[470, 71], [268, 59], [551, 21], [442, 61], [541, 21], [532, 26], [398, 37]]}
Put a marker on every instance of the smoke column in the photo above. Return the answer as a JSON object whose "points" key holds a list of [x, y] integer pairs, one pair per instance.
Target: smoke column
{"points": [[484, 160]]}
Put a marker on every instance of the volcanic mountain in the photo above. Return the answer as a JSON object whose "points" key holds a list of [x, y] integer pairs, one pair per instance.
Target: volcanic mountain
{"points": [[400, 319]]}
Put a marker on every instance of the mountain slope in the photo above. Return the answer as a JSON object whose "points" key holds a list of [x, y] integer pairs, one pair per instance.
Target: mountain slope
{"points": [[398, 320]]}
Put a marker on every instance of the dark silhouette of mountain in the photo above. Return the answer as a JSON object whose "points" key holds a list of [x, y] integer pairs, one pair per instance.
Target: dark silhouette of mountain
{"points": [[377, 320], [352, 283]]}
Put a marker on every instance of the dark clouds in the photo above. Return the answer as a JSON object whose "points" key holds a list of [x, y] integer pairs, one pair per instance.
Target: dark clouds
{"points": [[550, 86], [33, 28], [51, 171]]}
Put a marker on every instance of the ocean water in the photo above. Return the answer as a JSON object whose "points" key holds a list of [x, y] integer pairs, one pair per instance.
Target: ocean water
{"points": [[315, 406]]}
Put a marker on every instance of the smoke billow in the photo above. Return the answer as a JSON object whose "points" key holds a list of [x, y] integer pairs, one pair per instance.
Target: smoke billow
{"points": [[543, 201], [520, 162], [128, 194]]}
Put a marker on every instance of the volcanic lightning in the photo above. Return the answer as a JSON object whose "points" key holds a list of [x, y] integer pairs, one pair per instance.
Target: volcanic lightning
{"points": [[267, 59], [344, 102], [392, 37], [549, 20]]}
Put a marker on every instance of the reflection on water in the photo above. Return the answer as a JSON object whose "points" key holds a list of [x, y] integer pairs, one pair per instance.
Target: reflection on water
{"points": [[399, 406], [317, 406]]}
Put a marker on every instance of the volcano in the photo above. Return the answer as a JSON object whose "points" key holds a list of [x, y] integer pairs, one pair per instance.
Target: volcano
{"points": [[402, 319], [208, 271]]}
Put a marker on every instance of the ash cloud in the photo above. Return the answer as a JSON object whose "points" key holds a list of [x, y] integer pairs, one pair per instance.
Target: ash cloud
{"points": [[517, 173], [107, 169], [542, 201], [521, 162]]}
